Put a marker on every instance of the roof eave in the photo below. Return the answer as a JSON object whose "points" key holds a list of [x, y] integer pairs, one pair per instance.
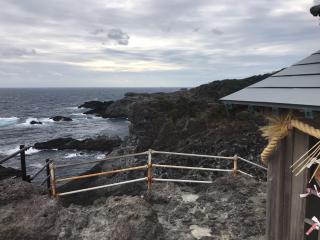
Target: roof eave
{"points": [[275, 105]]}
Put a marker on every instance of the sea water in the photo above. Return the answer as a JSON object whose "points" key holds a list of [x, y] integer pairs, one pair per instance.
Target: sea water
{"points": [[18, 107]]}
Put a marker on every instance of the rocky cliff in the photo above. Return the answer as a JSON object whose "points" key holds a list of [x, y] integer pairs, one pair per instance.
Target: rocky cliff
{"points": [[193, 121]]}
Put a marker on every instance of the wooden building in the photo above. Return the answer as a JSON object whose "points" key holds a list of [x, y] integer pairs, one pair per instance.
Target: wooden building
{"points": [[294, 90]]}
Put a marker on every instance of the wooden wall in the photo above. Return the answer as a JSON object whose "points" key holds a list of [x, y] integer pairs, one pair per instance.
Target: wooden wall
{"points": [[285, 209]]}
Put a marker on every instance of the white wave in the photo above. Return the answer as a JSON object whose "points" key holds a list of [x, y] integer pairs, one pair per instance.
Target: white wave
{"points": [[72, 108], [7, 152], [100, 156], [36, 165], [32, 150], [6, 121], [46, 120], [28, 121], [78, 114], [71, 155]]}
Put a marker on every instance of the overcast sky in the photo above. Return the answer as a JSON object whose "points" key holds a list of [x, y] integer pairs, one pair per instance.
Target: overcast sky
{"points": [[149, 43]]}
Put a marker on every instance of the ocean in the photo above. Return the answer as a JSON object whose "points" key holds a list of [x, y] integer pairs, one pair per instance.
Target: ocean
{"points": [[18, 107]]}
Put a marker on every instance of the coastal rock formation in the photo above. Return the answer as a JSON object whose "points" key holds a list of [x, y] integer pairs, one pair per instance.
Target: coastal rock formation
{"points": [[8, 172], [101, 143], [229, 208], [192, 121], [97, 107], [61, 118], [33, 122]]}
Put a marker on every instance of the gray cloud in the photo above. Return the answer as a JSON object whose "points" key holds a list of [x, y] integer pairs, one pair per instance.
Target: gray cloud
{"points": [[16, 52], [118, 36], [172, 38], [216, 31]]}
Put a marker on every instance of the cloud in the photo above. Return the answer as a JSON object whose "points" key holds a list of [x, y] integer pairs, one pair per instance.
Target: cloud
{"points": [[167, 43], [98, 31], [11, 52], [118, 36], [216, 31]]}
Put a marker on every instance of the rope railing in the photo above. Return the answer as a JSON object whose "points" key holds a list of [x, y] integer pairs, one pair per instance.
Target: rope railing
{"points": [[149, 169], [102, 173], [192, 168], [252, 163], [191, 155]]}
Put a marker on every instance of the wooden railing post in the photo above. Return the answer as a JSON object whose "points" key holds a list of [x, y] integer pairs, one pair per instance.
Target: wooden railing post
{"points": [[53, 180], [149, 176], [23, 163], [48, 174], [235, 165]]}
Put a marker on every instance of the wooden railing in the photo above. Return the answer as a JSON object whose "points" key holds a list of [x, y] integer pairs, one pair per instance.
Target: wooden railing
{"points": [[149, 167]]}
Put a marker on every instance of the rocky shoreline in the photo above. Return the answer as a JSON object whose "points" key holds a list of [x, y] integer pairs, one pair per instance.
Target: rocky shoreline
{"points": [[191, 121]]}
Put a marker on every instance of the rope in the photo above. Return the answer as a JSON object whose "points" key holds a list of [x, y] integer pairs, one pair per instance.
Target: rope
{"points": [[269, 149], [286, 126], [303, 127]]}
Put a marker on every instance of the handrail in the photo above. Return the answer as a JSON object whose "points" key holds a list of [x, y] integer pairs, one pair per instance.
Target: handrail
{"points": [[149, 167], [252, 163], [103, 186], [191, 155], [193, 168], [101, 173], [37, 173], [14, 154], [179, 180]]}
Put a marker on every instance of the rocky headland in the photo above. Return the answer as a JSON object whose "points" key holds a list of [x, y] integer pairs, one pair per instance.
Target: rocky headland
{"points": [[191, 121], [100, 143]]}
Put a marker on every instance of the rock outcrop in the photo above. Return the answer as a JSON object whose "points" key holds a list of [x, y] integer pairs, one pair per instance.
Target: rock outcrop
{"points": [[229, 208], [101, 143], [61, 119], [97, 107], [33, 122], [192, 121], [8, 172]]}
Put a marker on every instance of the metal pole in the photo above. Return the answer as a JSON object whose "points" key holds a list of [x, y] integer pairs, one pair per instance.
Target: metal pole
{"points": [[103, 186], [101, 173], [235, 165], [192, 168], [149, 177], [53, 180], [48, 174], [23, 163], [179, 180]]}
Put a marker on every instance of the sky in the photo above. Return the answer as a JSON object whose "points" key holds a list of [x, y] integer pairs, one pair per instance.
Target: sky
{"points": [[150, 43]]}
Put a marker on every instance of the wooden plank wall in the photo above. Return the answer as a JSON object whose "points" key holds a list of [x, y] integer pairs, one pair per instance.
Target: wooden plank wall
{"points": [[285, 209]]}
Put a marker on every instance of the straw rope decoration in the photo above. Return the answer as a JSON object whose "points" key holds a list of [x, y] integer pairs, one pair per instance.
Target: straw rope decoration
{"points": [[278, 128]]}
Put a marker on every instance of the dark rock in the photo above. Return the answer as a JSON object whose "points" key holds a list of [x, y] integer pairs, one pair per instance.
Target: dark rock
{"points": [[119, 109], [98, 108], [8, 172], [95, 104], [33, 122], [101, 143], [315, 10], [61, 118], [218, 89]]}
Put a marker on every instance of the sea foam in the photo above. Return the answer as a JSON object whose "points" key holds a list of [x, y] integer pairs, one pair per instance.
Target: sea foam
{"points": [[7, 152], [7, 121]]}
